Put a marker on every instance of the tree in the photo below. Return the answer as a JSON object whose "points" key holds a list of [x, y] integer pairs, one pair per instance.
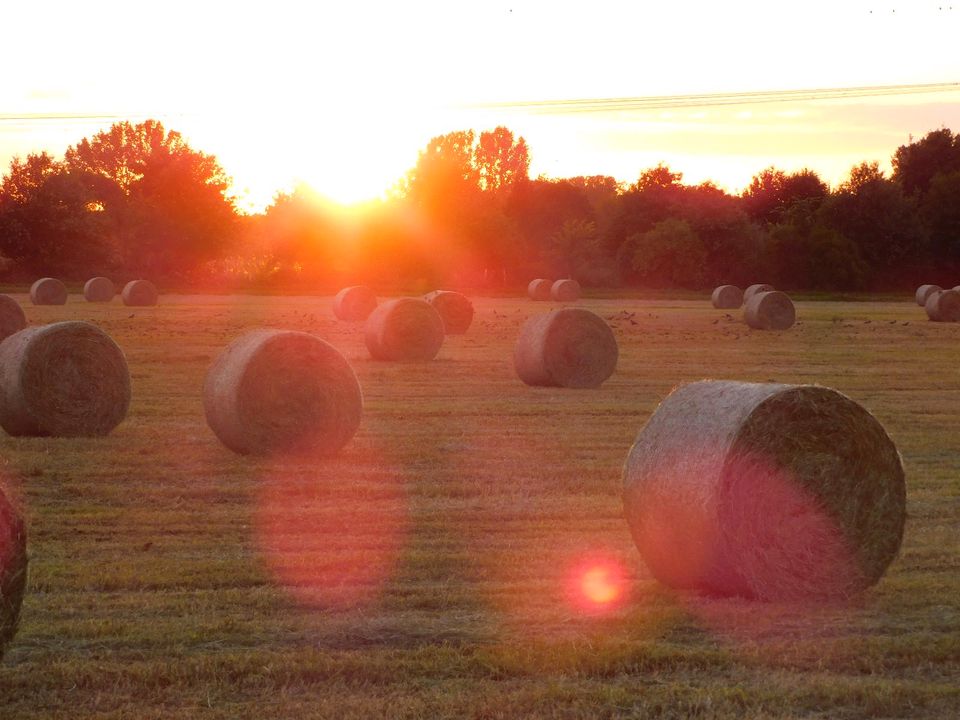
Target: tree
{"points": [[941, 210], [500, 160], [916, 164], [669, 255], [771, 192]]}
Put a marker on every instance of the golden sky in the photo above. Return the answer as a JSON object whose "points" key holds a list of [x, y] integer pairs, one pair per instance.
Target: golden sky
{"points": [[344, 95]]}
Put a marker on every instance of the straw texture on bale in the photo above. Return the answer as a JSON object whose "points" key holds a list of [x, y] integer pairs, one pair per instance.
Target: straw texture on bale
{"points": [[67, 379], [923, 292], [13, 569], [48, 291], [140, 293], [355, 303], [771, 310], [767, 491], [571, 347], [455, 310], [282, 391], [539, 289], [754, 289], [12, 317], [727, 297], [566, 290], [943, 306], [99, 289], [404, 329]]}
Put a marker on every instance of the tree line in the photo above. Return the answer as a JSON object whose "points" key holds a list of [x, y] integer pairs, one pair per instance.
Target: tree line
{"points": [[137, 201]]}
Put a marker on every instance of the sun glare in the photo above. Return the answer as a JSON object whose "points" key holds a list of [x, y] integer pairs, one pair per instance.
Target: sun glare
{"points": [[598, 584]]}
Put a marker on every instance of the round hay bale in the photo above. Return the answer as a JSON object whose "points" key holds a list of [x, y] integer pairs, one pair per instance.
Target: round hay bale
{"points": [[455, 310], [67, 379], [13, 569], [571, 347], [539, 289], [754, 289], [282, 391], [923, 292], [12, 317], [566, 290], [771, 310], [355, 303], [768, 491], [139, 293], [956, 288], [48, 291], [727, 297], [404, 329], [99, 289], [943, 306]]}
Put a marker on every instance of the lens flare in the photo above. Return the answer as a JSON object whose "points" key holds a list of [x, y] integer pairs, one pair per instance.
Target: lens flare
{"points": [[598, 584]]}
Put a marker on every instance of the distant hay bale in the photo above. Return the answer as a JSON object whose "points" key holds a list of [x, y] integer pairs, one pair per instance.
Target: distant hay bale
{"points": [[99, 289], [139, 293], [455, 310], [754, 289], [13, 569], [539, 289], [404, 329], [12, 317], [355, 303], [923, 292], [282, 391], [956, 288], [774, 492], [565, 290], [771, 310], [571, 347], [727, 297], [943, 306], [48, 291], [67, 379]]}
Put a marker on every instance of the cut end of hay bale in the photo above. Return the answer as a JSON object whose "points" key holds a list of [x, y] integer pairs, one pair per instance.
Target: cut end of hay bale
{"points": [[539, 289], [282, 391], [924, 291], [12, 317], [48, 291], [771, 310], [99, 289], [767, 491], [571, 347], [13, 569], [67, 379], [566, 290], [404, 329], [727, 297], [455, 310], [355, 303], [943, 306], [140, 293]]}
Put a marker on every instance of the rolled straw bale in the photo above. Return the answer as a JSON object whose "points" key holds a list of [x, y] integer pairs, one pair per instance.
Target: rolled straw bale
{"points": [[754, 289], [455, 310], [12, 318], [404, 329], [539, 289], [956, 288], [923, 292], [48, 291], [282, 391], [13, 569], [99, 289], [943, 306], [354, 303], [565, 290], [141, 293], [571, 347], [775, 492], [67, 379], [727, 297], [770, 311]]}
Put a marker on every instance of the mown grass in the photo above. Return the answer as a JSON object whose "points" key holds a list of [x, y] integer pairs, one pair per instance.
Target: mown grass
{"points": [[431, 561]]}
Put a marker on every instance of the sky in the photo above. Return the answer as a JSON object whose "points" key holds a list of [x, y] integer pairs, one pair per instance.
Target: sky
{"points": [[343, 96]]}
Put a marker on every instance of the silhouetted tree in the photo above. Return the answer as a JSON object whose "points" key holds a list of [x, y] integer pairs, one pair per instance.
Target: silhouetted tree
{"points": [[771, 192], [916, 164], [669, 255], [500, 160]]}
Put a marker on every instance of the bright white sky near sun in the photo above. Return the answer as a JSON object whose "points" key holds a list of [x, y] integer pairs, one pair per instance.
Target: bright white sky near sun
{"points": [[344, 95]]}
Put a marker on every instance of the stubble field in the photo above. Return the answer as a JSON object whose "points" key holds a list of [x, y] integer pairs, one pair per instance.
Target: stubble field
{"points": [[434, 567]]}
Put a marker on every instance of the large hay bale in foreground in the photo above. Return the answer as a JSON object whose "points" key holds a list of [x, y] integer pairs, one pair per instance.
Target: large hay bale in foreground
{"points": [[727, 297], [455, 310], [776, 492], [923, 292], [48, 291], [139, 293], [13, 569], [282, 391], [12, 317], [67, 379], [571, 347], [565, 290], [943, 306], [404, 329], [771, 310], [355, 303], [539, 289], [99, 289]]}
